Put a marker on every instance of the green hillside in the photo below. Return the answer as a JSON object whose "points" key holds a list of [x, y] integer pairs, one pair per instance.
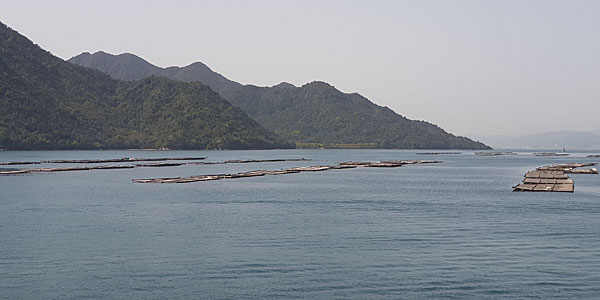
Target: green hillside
{"points": [[319, 113], [47, 103]]}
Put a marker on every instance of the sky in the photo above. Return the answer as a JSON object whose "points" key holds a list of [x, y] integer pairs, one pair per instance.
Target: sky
{"points": [[476, 68]]}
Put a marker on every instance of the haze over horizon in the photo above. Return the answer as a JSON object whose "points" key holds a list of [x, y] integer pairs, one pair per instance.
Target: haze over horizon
{"points": [[472, 67]]}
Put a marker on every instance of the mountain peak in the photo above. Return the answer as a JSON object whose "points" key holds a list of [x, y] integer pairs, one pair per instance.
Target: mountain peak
{"points": [[101, 52], [128, 66], [198, 64], [125, 66], [284, 85], [318, 83]]}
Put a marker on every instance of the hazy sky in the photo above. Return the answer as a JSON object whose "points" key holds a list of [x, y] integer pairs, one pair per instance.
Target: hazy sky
{"points": [[472, 67]]}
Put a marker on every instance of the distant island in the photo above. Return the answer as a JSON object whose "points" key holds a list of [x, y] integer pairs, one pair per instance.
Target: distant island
{"points": [[313, 115], [556, 140]]}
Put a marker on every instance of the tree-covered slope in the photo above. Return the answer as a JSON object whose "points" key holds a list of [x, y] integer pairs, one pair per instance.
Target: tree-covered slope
{"points": [[185, 116], [319, 113], [47, 103], [314, 113]]}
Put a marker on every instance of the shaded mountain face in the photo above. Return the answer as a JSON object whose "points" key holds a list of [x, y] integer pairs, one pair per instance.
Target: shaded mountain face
{"points": [[319, 113], [127, 66], [47, 103], [124, 67], [314, 113]]}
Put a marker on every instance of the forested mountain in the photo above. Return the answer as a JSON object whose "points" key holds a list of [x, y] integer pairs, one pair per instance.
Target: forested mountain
{"points": [[314, 113], [47, 103], [322, 114]]}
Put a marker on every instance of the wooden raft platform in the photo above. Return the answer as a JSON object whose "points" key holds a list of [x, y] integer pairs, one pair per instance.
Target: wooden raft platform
{"points": [[439, 153], [343, 165], [145, 165], [546, 154], [97, 161], [387, 164], [553, 178], [494, 153]]}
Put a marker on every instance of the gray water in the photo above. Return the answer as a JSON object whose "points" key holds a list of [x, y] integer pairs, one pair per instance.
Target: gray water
{"points": [[443, 231]]}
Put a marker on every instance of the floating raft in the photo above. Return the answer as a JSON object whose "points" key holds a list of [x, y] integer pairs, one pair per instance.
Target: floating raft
{"points": [[494, 153], [553, 178], [569, 168], [97, 161], [551, 154], [46, 170], [9, 163], [238, 161], [387, 164], [583, 171], [343, 165], [147, 165], [594, 155], [438, 153], [546, 174]]}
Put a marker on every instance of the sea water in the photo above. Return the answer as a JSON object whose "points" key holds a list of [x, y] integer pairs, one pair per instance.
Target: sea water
{"points": [[453, 230]]}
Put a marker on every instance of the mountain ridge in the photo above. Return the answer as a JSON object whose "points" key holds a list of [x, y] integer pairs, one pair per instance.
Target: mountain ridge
{"points": [[128, 66], [315, 112]]}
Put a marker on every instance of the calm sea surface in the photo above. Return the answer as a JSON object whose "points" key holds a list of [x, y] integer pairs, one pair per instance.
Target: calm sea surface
{"points": [[443, 231]]}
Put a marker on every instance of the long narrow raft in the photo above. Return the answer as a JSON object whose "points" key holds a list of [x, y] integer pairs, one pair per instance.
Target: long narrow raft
{"points": [[97, 161], [146, 165], [343, 165], [544, 154], [487, 153], [553, 178], [439, 153]]}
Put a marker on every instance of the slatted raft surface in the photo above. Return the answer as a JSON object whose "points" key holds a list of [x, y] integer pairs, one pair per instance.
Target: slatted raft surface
{"points": [[494, 153], [438, 153], [342, 165], [545, 154], [96, 161], [553, 178], [146, 165]]}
